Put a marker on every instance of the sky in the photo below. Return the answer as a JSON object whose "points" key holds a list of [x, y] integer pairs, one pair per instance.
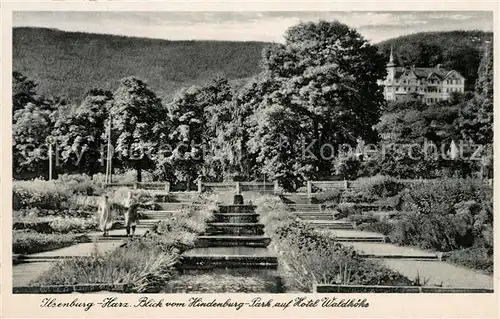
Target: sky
{"points": [[266, 26]]}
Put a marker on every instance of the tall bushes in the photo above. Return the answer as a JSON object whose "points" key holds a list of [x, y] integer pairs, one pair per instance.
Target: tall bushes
{"points": [[446, 214]]}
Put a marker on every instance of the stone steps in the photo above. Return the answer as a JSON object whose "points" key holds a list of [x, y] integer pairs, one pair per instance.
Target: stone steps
{"points": [[331, 225], [382, 213], [314, 216], [157, 214], [248, 258], [228, 241], [229, 261], [236, 217], [296, 198], [237, 209], [304, 207], [172, 206], [365, 207], [147, 223], [226, 280], [233, 241], [234, 229]]}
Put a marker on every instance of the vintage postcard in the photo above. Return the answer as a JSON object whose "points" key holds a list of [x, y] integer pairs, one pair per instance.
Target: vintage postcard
{"points": [[245, 159]]}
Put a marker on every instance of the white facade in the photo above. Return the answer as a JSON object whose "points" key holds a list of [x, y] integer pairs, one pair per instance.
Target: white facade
{"points": [[428, 84]]}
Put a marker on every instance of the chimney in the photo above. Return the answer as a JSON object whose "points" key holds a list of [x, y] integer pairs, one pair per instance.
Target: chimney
{"points": [[438, 66], [413, 67]]}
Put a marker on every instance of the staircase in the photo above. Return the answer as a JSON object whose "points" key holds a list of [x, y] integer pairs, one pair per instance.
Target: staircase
{"points": [[232, 256], [234, 239]]}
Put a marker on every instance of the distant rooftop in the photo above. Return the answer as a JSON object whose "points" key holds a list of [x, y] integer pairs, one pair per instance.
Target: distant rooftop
{"points": [[421, 72]]}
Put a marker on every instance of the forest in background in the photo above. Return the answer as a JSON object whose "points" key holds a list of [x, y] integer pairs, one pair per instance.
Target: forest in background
{"points": [[71, 63]]}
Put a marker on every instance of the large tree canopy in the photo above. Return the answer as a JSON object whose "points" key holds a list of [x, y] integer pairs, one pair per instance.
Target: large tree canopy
{"points": [[324, 93], [81, 134], [186, 115], [137, 119]]}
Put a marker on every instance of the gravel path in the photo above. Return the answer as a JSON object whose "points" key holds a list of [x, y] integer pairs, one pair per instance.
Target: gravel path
{"points": [[439, 272]]}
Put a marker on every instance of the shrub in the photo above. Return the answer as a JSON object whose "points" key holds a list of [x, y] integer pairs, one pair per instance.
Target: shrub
{"points": [[379, 186], [84, 202], [473, 257], [28, 242], [356, 196], [378, 226], [41, 194], [33, 213], [80, 184], [55, 224], [182, 229], [73, 224], [125, 177], [348, 166], [436, 232], [303, 189], [446, 214], [361, 218], [330, 196], [347, 209], [55, 194]]}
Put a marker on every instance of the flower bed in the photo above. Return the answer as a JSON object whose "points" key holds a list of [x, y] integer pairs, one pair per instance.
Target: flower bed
{"points": [[145, 265], [28, 242], [447, 215], [56, 224], [53, 194]]}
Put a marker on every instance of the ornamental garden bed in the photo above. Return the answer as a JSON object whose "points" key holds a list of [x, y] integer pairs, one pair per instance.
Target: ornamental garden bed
{"points": [[142, 266]]}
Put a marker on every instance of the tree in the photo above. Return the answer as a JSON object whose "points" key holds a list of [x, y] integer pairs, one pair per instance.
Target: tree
{"points": [[325, 82], [81, 135], [33, 121], [275, 140], [23, 91], [137, 115], [476, 119], [419, 54], [31, 126], [215, 99], [186, 115]]}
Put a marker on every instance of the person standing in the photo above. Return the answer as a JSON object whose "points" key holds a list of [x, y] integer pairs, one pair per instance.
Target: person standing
{"points": [[105, 215], [131, 215]]}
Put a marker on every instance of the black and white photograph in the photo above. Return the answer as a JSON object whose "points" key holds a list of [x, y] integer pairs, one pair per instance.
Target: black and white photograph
{"points": [[259, 152]]}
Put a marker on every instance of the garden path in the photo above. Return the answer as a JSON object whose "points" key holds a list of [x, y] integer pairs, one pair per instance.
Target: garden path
{"points": [[437, 272], [408, 261], [413, 262]]}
